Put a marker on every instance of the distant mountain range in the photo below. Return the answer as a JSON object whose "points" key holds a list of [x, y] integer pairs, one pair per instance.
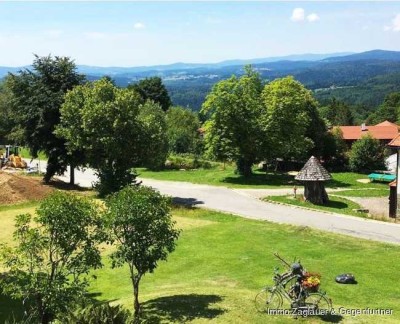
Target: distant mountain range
{"points": [[361, 79], [97, 70]]}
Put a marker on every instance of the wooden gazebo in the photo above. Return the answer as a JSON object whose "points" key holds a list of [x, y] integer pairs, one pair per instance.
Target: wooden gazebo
{"points": [[313, 175]]}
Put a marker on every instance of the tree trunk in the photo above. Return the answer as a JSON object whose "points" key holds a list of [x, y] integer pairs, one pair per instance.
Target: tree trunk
{"points": [[244, 167], [135, 283], [315, 193], [136, 304], [72, 174]]}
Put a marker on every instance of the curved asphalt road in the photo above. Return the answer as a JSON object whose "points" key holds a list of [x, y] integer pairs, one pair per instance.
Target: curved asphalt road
{"points": [[239, 203]]}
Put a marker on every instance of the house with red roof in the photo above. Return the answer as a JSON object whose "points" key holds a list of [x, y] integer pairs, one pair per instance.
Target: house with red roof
{"points": [[385, 132]]}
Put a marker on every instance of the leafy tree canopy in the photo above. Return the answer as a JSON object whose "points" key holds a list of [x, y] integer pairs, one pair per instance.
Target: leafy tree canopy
{"points": [[233, 129], [338, 113], [52, 255], [182, 130], [388, 110], [37, 96], [366, 154], [153, 89], [116, 131], [290, 110], [141, 225]]}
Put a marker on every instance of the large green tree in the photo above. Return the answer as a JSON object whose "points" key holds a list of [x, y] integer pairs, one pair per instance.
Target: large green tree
{"points": [[388, 110], [183, 130], [233, 131], [6, 114], [338, 113], [53, 253], [153, 89], [37, 95], [116, 131], [291, 121], [143, 230]]}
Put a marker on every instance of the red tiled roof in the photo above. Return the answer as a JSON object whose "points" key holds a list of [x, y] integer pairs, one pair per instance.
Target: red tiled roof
{"points": [[387, 123], [378, 132], [395, 142]]}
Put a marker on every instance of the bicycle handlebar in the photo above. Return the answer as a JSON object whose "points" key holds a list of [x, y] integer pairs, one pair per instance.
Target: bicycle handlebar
{"points": [[281, 259]]}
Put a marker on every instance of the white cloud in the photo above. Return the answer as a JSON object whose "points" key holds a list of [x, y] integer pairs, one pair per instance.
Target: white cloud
{"points": [[298, 15], [395, 26], [139, 25], [313, 17]]}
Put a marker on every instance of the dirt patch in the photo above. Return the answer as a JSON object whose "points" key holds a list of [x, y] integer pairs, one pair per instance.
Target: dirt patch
{"points": [[364, 180], [15, 188]]}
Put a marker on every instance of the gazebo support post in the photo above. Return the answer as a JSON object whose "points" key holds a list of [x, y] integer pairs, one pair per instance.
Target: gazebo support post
{"points": [[314, 192]]}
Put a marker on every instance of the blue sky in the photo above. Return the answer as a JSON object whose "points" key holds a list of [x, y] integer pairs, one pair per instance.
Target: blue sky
{"points": [[149, 33]]}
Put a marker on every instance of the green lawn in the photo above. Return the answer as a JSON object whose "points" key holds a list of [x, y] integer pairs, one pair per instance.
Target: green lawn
{"points": [[24, 152], [228, 178], [221, 177], [335, 205], [364, 193], [222, 261]]}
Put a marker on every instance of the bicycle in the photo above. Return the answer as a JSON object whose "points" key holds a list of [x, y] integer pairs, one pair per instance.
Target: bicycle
{"points": [[289, 288]]}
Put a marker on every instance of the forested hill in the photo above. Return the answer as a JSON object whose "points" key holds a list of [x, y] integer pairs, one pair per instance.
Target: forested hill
{"points": [[361, 79]]}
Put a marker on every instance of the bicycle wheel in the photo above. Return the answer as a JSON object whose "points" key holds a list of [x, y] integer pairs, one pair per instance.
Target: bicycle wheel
{"points": [[267, 299], [319, 302]]}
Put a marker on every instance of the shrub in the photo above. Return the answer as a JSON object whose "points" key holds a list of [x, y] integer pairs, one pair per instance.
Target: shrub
{"points": [[54, 251], [366, 154], [97, 313], [187, 162]]}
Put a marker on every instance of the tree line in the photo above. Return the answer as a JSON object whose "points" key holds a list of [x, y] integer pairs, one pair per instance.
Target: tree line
{"points": [[54, 109]]}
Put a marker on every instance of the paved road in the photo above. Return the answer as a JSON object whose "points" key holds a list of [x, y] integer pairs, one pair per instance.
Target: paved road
{"points": [[240, 202]]}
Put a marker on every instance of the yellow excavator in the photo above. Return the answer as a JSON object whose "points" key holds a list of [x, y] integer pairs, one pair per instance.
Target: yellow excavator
{"points": [[11, 158]]}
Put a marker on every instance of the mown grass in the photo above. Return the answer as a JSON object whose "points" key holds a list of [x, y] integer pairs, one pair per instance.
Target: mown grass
{"points": [[336, 204], [221, 177], [24, 153], [222, 261], [364, 193], [228, 178], [220, 265]]}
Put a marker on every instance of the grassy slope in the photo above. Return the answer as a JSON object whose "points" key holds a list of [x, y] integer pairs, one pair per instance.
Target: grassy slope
{"points": [[7, 215], [222, 261]]}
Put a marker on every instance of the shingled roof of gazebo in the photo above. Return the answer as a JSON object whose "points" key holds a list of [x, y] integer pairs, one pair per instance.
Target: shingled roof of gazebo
{"points": [[313, 171]]}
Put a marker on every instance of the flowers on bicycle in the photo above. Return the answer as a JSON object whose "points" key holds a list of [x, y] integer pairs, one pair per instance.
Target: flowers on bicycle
{"points": [[311, 280]]}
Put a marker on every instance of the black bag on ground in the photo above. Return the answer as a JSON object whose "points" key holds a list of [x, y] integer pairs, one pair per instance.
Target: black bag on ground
{"points": [[346, 278]]}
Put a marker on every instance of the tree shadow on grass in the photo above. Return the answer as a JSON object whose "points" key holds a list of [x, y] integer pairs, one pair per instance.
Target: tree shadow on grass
{"points": [[180, 308], [336, 204], [187, 202], [331, 318], [336, 184], [61, 185], [262, 179]]}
